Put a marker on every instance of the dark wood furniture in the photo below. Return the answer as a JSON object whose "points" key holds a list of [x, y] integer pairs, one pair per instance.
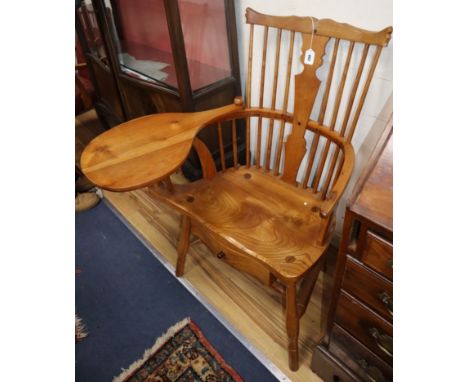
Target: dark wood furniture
{"points": [[163, 56], [263, 218], [358, 344]]}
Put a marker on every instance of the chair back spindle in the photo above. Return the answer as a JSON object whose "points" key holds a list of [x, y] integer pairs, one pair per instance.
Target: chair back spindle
{"points": [[249, 96], [273, 99], [285, 103], [221, 147], [262, 91], [293, 144]]}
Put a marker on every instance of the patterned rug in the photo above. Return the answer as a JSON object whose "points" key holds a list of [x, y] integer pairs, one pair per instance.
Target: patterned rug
{"points": [[182, 354]]}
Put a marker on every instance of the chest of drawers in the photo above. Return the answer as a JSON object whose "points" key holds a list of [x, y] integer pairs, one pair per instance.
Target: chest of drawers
{"points": [[358, 345]]}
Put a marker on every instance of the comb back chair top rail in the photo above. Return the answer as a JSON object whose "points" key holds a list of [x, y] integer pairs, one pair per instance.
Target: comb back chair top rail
{"points": [[271, 213], [323, 27]]}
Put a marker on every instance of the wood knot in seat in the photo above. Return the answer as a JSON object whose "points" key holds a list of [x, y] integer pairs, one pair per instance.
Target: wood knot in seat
{"points": [[247, 175], [190, 198], [317, 210], [290, 259]]}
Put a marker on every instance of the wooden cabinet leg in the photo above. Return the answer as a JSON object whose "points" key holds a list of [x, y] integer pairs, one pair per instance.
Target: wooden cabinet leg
{"points": [[183, 245], [292, 326]]}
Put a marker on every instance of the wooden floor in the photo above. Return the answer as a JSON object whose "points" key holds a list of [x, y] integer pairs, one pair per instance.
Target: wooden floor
{"points": [[252, 309]]}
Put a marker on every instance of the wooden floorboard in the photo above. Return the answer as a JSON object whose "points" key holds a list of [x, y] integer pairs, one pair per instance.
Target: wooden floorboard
{"points": [[252, 309]]}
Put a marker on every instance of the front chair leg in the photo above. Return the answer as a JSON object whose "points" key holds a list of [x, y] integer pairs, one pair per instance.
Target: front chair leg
{"points": [[183, 245], [292, 326]]}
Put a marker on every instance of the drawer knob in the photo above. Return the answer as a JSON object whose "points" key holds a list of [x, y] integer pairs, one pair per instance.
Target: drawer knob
{"points": [[387, 301], [220, 255], [372, 372], [382, 340]]}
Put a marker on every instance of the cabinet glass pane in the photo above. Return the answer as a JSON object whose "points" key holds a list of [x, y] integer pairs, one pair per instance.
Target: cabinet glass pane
{"points": [[91, 30], [206, 42], [142, 37]]}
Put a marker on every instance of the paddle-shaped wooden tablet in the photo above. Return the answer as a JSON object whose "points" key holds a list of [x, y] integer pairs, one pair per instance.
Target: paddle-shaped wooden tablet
{"points": [[140, 152]]}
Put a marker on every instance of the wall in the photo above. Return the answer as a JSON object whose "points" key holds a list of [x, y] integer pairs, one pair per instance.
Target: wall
{"points": [[367, 14]]}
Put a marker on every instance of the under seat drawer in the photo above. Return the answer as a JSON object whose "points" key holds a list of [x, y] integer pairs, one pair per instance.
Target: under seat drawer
{"points": [[232, 256]]}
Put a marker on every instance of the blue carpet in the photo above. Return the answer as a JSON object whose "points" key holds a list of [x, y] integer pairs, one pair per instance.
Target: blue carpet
{"points": [[127, 299]]}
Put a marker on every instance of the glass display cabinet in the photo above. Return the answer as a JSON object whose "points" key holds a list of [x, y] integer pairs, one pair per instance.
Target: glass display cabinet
{"points": [[150, 56]]}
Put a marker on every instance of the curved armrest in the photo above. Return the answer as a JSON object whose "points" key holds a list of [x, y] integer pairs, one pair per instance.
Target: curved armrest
{"points": [[327, 208], [338, 189], [142, 151]]}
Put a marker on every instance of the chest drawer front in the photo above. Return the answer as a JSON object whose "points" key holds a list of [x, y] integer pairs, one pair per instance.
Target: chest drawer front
{"points": [[369, 328], [369, 287], [329, 368], [378, 254], [357, 357]]}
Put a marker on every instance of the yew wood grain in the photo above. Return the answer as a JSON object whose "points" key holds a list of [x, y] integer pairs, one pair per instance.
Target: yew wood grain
{"points": [[260, 102], [271, 221], [142, 151], [252, 308], [306, 88], [323, 27], [259, 221], [323, 108], [273, 99], [285, 103], [206, 160]]}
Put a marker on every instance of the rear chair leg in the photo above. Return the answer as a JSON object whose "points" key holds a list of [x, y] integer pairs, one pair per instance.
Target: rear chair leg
{"points": [[307, 287], [183, 245]]}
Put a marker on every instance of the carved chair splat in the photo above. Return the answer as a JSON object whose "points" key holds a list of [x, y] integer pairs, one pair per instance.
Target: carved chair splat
{"points": [[259, 217]]}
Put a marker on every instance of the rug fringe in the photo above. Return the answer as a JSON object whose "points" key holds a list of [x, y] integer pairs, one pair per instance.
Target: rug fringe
{"points": [[148, 352], [80, 329]]}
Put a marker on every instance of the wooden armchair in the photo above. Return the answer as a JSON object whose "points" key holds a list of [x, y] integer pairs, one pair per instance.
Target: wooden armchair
{"points": [[258, 217]]}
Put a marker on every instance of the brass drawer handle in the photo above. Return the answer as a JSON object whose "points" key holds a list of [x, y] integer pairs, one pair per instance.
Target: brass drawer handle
{"points": [[372, 372], [383, 341], [387, 301], [220, 255]]}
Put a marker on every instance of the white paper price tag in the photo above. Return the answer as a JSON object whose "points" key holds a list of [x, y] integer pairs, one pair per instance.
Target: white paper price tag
{"points": [[309, 57]]}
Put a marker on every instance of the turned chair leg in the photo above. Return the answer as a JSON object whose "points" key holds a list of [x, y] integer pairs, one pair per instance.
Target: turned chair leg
{"points": [[183, 245], [292, 326]]}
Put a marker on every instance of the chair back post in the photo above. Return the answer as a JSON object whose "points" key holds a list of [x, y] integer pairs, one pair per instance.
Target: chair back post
{"points": [[323, 158]]}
